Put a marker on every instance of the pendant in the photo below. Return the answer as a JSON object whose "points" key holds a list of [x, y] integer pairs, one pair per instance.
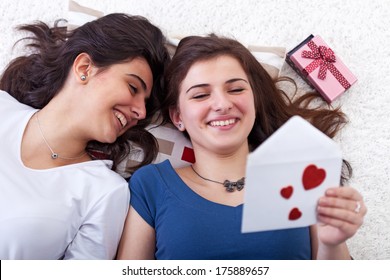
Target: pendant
{"points": [[54, 155], [230, 186]]}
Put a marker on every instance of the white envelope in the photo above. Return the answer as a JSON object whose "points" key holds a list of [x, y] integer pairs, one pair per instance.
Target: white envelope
{"points": [[286, 175]]}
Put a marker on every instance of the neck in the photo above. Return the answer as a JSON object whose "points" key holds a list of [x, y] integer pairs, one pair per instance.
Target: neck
{"points": [[57, 139], [220, 168]]}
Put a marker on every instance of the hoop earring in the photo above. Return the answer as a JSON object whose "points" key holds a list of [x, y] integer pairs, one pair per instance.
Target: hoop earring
{"points": [[83, 77]]}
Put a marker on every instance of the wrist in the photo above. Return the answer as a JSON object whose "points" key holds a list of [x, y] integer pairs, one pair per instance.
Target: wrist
{"points": [[333, 252]]}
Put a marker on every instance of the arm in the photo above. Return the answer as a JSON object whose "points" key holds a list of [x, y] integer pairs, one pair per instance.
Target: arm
{"points": [[338, 220], [100, 232], [322, 252], [138, 239]]}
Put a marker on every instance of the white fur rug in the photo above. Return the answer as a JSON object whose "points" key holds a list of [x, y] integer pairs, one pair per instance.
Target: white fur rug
{"points": [[356, 29]]}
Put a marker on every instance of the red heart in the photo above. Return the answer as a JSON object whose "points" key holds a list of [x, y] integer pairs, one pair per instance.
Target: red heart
{"points": [[286, 192], [313, 177], [295, 214]]}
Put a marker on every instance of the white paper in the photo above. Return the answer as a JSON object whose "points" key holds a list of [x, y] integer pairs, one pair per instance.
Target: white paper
{"points": [[277, 166]]}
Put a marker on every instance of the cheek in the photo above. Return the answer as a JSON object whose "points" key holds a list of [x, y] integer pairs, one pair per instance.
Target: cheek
{"points": [[188, 115], [247, 105], [186, 110], [193, 114]]}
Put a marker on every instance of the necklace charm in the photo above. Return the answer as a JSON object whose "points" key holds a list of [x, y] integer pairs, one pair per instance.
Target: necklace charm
{"points": [[229, 185], [54, 155]]}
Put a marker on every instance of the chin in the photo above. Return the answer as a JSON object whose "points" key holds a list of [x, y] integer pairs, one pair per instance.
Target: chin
{"points": [[108, 139]]}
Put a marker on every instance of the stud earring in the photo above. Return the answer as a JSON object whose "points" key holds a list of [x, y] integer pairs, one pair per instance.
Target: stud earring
{"points": [[179, 125], [83, 77]]}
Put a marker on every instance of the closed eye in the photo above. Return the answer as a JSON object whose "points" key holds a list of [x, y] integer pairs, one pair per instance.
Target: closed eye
{"points": [[133, 89], [237, 90], [200, 96]]}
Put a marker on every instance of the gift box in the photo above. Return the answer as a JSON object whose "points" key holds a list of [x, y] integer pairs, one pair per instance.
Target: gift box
{"points": [[320, 67]]}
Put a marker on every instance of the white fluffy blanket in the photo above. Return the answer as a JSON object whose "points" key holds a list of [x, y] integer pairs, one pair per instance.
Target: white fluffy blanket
{"points": [[356, 29]]}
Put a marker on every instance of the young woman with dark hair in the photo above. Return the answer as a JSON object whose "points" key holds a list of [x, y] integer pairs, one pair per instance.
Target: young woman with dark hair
{"points": [[77, 97], [220, 96]]}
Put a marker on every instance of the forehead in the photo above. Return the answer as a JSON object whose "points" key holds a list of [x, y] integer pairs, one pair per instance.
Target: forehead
{"points": [[137, 66], [220, 61], [221, 66], [214, 71]]}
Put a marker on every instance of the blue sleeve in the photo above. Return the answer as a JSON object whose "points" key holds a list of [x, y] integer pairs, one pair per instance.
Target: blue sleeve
{"points": [[146, 192]]}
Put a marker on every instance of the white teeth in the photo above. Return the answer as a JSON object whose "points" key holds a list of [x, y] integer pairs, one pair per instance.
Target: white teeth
{"points": [[121, 118], [222, 123]]}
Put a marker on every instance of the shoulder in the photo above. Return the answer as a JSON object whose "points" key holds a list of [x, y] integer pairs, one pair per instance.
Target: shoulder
{"points": [[9, 106], [108, 193], [151, 180], [14, 115], [6, 97], [8, 101], [103, 180], [153, 171]]}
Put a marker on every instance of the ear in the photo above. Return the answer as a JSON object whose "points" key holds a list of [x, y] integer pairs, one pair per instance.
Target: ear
{"points": [[174, 114], [82, 67]]}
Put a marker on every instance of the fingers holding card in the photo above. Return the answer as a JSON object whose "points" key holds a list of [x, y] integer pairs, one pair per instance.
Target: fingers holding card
{"points": [[287, 175], [343, 209], [340, 216]]}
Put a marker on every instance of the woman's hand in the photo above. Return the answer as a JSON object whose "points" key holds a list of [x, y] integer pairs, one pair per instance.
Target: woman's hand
{"points": [[341, 212]]}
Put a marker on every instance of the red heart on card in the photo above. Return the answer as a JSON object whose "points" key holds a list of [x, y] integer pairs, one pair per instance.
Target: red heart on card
{"points": [[313, 177], [295, 214], [286, 192]]}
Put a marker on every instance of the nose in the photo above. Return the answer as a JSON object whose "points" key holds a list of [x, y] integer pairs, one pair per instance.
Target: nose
{"points": [[138, 109], [221, 102]]}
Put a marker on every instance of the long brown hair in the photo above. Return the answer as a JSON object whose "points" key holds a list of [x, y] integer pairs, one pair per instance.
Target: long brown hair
{"points": [[273, 105], [34, 79]]}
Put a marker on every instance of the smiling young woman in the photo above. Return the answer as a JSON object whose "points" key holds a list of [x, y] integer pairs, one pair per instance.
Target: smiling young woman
{"points": [[76, 96], [220, 97]]}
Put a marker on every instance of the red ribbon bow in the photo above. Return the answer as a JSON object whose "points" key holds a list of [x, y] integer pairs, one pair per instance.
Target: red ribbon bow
{"points": [[324, 58]]}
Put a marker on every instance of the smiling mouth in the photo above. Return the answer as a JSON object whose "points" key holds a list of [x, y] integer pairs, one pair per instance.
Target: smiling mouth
{"points": [[223, 123], [122, 119]]}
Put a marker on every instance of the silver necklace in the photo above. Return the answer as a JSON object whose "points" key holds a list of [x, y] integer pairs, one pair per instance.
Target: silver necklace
{"points": [[229, 185], [54, 155]]}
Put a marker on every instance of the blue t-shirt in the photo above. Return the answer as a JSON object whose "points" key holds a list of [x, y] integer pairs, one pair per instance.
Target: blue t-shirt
{"points": [[189, 226]]}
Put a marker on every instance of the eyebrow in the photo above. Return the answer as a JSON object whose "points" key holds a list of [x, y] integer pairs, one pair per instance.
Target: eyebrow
{"points": [[227, 82], [140, 80]]}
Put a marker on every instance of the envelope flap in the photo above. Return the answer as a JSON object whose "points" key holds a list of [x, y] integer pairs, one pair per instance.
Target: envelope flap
{"points": [[296, 140]]}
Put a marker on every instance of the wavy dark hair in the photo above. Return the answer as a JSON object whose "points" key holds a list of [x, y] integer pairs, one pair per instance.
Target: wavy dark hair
{"points": [[34, 79], [273, 105]]}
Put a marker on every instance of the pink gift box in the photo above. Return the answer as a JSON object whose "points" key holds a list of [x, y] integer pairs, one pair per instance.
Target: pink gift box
{"points": [[321, 68]]}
